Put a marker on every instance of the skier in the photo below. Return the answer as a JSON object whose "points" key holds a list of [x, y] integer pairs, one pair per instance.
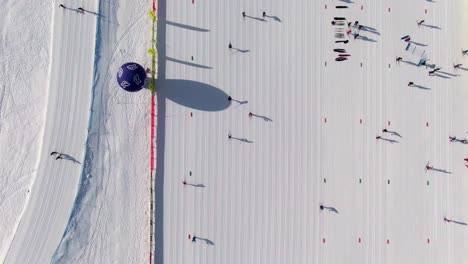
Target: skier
{"points": [[429, 167], [420, 22], [457, 66], [194, 239], [230, 45], [434, 71], [356, 35], [184, 182], [447, 220], [349, 24], [384, 130], [398, 59], [81, 9], [452, 139], [378, 137], [356, 23], [53, 153], [62, 6], [410, 83], [243, 14], [60, 156], [264, 14], [464, 52], [250, 114], [229, 136], [321, 207], [229, 98]]}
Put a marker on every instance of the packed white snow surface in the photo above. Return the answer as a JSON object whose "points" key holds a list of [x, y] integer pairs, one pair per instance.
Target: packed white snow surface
{"points": [[110, 220], [65, 129], [255, 198], [24, 65]]}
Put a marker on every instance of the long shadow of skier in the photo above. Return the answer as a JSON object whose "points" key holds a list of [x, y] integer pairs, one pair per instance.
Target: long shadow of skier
{"points": [[419, 44], [441, 170], [329, 208], [409, 62], [277, 19], [421, 87], [389, 140], [207, 241], [431, 26], [266, 119], [393, 133], [256, 18], [241, 50], [366, 38], [243, 140], [457, 222]]}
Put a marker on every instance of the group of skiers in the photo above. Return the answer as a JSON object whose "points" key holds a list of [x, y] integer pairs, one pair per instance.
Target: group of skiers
{"points": [[79, 8]]}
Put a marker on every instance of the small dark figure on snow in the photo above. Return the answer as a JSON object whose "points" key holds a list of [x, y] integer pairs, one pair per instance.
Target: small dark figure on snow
{"points": [[378, 137], [243, 14], [62, 6], [264, 14], [410, 83], [457, 66], [250, 114], [60, 156], [54, 153], [184, 182], [434, 71], [447, 220], [349, 24], [81, 9], [398, 59], [194, 239], [229, 136], [230, 45], [420, 22], [321, 207], [453, 138], [385, 130], [229, 98]]}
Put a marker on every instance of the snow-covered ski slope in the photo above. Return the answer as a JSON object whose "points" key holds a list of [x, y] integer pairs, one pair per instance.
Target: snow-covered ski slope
{"points": [[109, 222], [23, 74], [68, 102], [312, 139]]}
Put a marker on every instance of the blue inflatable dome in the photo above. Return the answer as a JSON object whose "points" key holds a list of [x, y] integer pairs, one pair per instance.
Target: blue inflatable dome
{"points": [[131, 77]]}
